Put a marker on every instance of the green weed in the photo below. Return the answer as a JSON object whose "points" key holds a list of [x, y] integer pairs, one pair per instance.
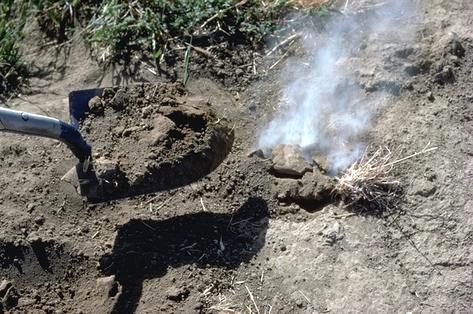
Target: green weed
{"points": [[119, 28], [12, 21]]}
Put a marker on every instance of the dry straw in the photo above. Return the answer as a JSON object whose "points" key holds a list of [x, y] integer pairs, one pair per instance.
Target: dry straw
{"points": [[370, 179]]}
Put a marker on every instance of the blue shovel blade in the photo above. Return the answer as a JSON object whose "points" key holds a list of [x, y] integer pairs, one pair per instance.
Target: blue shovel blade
{"points": [[79, 104]]}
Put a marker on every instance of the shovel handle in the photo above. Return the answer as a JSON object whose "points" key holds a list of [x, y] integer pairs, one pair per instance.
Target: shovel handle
{"points": [[34, 124]]}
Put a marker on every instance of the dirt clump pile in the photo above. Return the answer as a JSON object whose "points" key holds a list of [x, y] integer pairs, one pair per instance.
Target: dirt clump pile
{"points": [[298, 181], [148, 138]]}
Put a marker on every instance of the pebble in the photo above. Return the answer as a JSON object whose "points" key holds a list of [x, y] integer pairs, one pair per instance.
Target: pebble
{"points": [[423, 187], [25, 301], [39, 220], [30, 207], [177, 294], [288, 160], [4, 286]]}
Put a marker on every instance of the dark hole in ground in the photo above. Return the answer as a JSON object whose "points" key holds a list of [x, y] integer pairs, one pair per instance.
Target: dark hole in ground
{"points": [[147, 248]]}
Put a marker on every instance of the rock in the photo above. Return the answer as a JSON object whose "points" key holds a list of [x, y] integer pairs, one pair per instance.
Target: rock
{"points": [[106, 168], [4, 286], [96, 105], [430, 96], [71, 177], [25, 301], [161, 128], [33, 237], [39, 220], [119, 101], [30, 207], [256, 153], [118, 130], [288, 160], [322, 163], [455, 48], [445, 76], [315, 187], [128, 131], [177, 294], [108, 287], [423, 188], [285, 189], [333, 234], [404, 53]]}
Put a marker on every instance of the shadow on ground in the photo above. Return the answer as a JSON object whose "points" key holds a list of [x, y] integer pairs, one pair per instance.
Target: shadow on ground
{"points": [[145, 249]]}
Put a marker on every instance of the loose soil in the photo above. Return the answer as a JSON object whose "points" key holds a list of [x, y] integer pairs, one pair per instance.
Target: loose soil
{"points": [[151, 137], [226, 243]]}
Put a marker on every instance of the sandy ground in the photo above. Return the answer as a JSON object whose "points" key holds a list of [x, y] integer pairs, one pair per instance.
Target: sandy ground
{"points": [[225, 244]]}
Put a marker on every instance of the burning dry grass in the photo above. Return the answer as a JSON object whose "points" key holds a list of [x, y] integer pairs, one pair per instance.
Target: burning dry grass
{"points": [[370, 179]]}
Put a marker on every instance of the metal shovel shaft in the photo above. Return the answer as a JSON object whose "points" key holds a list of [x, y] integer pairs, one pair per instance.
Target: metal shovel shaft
{"points": [[34, 124]]}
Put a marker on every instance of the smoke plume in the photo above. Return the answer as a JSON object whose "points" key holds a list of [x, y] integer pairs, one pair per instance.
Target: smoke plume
{"points": [[323, 108]]}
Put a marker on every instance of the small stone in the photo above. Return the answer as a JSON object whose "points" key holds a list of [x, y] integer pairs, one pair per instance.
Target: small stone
{"points": [[130, 130], [455, 48], [108, 286], [198, 306], [430, 96], [322, 163], [177, 294], [445, 76], [288, 160], [285, 189], [118, 130], [162, 126], [39, 220], [96, 105], [146, 111], [423, 188], [30, 207], [283, 248], [119, 101], [25, 301], [4, 286], [256, 153], [33, 237]]}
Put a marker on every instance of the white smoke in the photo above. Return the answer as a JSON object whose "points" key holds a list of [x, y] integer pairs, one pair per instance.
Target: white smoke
{"points": [[323, 109]]}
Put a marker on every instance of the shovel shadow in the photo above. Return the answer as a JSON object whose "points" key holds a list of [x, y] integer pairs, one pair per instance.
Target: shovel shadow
{"points": [[145, 249]]}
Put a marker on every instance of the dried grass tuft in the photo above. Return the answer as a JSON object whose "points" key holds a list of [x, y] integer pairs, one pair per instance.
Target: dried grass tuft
{"points": [[370, 179]]}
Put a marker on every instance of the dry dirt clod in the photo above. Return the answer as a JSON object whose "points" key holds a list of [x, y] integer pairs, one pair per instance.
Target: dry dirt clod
{"points": [[25, 301], [4, 286], [96, 105], [177, 294], [322, 163], [288, 160], [316, 187], [423, 188], [162, 126], [119, 101], [107, 286]]}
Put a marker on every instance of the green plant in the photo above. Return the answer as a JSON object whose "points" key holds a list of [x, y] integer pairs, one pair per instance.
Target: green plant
{"points": [[58, 17], [119, 28], [12, 21]]}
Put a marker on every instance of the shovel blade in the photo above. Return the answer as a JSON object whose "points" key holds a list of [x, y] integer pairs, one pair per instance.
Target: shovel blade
{"points": [[79, 103]]}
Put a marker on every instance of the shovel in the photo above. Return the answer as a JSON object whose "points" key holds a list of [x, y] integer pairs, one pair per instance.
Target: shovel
{"points": [[83, 176], [38, 125]]}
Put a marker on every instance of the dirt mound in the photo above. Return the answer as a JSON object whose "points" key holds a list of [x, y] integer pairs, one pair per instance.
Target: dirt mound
{"points": [[153, 137]]}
